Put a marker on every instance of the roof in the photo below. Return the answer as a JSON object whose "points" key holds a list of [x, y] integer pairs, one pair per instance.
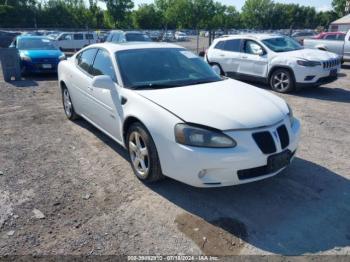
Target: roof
{"points": [[114, 47], [250, 36], [343, 20], [32, 37]]}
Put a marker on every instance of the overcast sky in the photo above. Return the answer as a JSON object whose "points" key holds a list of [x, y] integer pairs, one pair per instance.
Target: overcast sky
{"points": [[320, 5]]}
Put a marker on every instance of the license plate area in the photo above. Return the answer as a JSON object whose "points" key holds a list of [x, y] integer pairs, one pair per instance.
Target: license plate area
{"points": [[277, 161], [46, 66], [333, 72]]}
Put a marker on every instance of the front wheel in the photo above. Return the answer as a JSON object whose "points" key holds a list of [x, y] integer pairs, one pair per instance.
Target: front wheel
{"points": [[68, 105], [282, 81], [143, 154]]}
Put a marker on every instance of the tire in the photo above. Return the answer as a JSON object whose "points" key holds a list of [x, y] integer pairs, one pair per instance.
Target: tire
{"points": [[282, 81], [68, 105], [217, 68], [143, 154]]}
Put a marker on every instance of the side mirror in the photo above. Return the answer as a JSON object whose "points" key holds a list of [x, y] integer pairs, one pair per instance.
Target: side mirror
{"points": [[260, 52], [103, 81], [201, 54]]}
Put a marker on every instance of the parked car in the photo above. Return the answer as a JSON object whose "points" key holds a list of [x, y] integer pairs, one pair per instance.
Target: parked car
{"points": [[118, 36], [340, 36], [38, 54], [176, 117], [155, 35], [302, 35], [274, 59], [6, 38], [342, 48], [168, 37], [75, 41], [180, 36]]}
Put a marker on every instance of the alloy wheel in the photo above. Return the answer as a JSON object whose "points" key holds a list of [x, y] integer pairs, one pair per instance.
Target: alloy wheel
{"points": [[281, 81], [67, 103], [139, 154], [216, 69]]}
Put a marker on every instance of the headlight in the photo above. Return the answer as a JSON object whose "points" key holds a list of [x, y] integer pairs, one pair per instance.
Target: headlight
{"points": [[26, 58], [202, 137], [308, 63], [62, 57], [290, 115]]}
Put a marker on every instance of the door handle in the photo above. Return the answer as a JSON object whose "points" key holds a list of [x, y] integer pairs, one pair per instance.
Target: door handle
{"points": [[245, 57], [90, 88], [222, 55]]}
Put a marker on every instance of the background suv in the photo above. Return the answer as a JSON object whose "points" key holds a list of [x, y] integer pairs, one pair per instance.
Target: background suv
{"points": [[274, 59], [118, 36]]}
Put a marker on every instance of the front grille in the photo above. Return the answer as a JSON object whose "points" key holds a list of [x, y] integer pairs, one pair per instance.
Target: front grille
{"points": [[283, 135], [331, 63], [265, 142]]}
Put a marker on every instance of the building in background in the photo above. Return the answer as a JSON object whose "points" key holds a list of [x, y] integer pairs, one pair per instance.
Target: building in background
{"points": [[341, 24]]}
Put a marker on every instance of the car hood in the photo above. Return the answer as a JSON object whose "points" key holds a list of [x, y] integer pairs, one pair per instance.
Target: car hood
{"points": [[311, 54], [225, 105], [41, 53]]}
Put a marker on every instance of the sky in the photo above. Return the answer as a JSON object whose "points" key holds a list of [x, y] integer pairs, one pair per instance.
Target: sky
{"points": [[320, 5]]}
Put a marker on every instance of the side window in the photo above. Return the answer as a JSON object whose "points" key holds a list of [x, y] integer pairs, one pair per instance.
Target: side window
{"points": [[331, 37], [115, 38], [220, 45], [233, 45], [103, 65], [341, 37], [65, 37], [251, 47], [89, 36], [78, 37], [85, 59]]}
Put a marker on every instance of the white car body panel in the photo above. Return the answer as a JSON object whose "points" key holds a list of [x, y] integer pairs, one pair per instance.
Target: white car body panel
{"points": [[261, 66], [236, 108]]}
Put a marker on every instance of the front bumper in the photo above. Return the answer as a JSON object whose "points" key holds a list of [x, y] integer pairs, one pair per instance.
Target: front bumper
{"points": [[38, 67], [315, 76], [209, 167]]}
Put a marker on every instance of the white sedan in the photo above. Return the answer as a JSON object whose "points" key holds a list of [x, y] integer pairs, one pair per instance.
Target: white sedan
{"points": [[176, 117]]}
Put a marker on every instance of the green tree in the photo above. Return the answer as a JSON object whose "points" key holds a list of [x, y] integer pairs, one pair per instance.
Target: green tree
{"points": [[147, 17], [339, 7], [119, 10], [257, 13]]}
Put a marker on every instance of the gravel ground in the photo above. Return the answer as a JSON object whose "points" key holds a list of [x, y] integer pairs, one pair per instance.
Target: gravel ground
{"points": [[68, 189]]}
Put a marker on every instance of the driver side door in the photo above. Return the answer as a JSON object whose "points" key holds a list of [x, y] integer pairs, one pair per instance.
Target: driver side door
{"points": [[253, 59], [106, 103]]}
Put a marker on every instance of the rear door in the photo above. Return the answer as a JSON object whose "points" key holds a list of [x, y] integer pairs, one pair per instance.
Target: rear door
{"points": [[253, 60], [106, 102]]}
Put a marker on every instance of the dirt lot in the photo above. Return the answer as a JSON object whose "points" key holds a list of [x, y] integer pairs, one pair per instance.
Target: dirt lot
{"points": [[89, 201]]}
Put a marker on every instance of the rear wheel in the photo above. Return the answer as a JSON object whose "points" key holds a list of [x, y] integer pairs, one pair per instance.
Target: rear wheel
{"points": [[143, 154], [282, 81], [217, 68]]}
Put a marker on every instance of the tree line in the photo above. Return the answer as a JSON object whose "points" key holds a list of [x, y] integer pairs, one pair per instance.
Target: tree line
{"points": [[163, 14]]}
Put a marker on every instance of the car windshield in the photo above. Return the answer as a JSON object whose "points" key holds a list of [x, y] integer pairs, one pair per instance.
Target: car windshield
{"points": [[282, 44], [136, 37], [163, 68], [35, 44]]}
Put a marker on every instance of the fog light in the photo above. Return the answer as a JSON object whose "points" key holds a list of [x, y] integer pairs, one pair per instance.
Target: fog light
{"points": [[308, 78], [202, 173]]}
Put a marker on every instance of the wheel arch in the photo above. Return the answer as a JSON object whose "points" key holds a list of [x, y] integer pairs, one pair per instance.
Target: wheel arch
{"points": [[127, 123], [276, 67]]}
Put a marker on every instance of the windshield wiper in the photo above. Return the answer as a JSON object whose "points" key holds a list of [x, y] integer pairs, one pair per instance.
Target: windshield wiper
{"points": [[152, 86]]}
